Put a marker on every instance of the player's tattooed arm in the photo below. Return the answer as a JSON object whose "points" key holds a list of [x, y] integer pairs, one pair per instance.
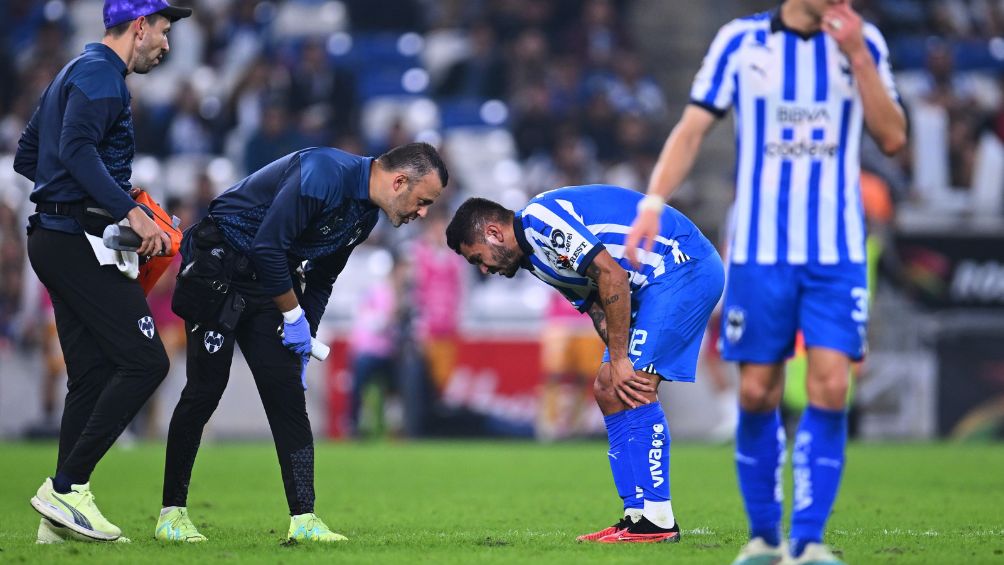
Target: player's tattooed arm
{"points": [[599, 321], [614, 303], [594, 272], [614, 316]]}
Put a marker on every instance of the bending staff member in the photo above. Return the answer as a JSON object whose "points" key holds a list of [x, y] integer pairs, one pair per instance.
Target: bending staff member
{"points": [[316, 205]]}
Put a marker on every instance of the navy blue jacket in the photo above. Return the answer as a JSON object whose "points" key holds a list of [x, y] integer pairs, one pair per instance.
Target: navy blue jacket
{"points": [[310, 205], [79, 142]]}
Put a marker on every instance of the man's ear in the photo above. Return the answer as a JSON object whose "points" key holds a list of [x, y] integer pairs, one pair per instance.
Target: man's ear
{"points": [[140, 25], [493, 233], [400, 182]]}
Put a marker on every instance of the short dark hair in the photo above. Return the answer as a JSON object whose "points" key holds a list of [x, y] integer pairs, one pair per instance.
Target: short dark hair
{"points": [[468, 223], [118, 29], [417, 159]]}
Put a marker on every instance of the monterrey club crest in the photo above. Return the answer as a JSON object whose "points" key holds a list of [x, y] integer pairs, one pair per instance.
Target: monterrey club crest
{"points": [[213, 341], [146, 326], [735, 324]]}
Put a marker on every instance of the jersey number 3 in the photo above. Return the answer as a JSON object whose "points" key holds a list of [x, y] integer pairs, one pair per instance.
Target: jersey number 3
{"points": [[860, 312]]}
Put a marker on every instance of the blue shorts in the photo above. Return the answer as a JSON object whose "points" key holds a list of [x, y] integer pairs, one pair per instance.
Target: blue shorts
{"points": [[669, 316], [765, 306]]}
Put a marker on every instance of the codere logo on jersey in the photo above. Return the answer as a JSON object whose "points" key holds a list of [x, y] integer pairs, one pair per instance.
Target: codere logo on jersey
{"points": [[801, 148], [655, 455]]}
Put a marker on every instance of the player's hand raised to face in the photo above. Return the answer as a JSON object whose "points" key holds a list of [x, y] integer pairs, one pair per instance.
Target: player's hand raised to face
{"points": [[844, 25]]}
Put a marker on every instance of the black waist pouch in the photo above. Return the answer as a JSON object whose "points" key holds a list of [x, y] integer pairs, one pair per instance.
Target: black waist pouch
{"points": [[204, 283]]}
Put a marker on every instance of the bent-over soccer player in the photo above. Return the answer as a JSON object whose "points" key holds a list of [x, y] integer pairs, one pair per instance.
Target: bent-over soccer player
{"points": [[652, 319]]}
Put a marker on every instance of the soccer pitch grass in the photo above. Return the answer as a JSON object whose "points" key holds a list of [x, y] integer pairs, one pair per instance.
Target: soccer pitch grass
{"points": [[506, 502]]}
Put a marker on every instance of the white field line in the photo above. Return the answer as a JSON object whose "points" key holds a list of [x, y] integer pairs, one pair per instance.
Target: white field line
{"points": [[898, 532]]}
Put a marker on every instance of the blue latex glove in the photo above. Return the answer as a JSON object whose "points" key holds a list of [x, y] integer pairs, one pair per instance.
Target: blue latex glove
{"points": [[296, 335], [303, 371]]}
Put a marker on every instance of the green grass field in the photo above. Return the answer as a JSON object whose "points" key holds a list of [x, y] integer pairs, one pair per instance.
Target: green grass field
{"points": [[503, 502]]}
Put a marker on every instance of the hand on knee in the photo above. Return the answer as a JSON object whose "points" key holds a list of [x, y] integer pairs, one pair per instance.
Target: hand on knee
{"points": [[606, 397]]}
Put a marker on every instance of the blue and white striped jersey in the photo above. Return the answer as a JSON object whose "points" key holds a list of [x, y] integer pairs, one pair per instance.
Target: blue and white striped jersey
{"points": [[798, 131], [562, 230]]}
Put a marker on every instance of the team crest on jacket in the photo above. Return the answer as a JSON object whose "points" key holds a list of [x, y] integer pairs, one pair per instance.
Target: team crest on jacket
{"points": [[146, 326], [213, 341]]}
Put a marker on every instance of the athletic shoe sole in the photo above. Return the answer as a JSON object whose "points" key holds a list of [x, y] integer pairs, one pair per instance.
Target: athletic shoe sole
{"points": [[624, 537], [58, 516], [49, 532]]}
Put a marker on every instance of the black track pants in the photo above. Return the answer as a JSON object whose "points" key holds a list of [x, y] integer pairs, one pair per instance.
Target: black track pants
{"points": [[114, 357], [276, 372]]}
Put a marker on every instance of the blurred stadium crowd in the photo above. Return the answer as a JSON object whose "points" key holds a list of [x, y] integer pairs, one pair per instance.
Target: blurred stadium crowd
{"points": [[521, 96]]}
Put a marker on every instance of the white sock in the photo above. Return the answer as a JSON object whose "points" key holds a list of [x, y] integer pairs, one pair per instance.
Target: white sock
{"points": [[166, 509], [633, 513], [660, 513]]}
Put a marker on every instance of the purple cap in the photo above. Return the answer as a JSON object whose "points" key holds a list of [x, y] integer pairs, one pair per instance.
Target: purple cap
{"points": [[118, 11]]}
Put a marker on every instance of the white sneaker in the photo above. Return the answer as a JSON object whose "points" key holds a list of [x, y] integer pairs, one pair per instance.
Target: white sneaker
{"points": [[51, 532], [759, 552], [814, 554]]}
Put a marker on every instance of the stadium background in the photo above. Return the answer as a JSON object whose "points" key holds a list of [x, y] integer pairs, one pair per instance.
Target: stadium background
{"points": [[521, 96]]}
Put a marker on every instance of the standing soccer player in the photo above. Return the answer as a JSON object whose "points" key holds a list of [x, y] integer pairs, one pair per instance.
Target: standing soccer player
{"points": [[801, 79], [652, 318], [78, 149], [314, 205]]}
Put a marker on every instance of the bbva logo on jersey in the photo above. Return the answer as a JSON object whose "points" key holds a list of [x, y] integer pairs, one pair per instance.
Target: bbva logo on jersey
{"points": [[146, 326], [213, 341]]}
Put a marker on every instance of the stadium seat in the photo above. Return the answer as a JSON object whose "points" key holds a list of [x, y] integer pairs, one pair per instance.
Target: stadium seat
{"points": [[489, 166], [85, 21], [970, 55], [179, 173], [377, 51], [308, 19], [416, 114], [443, 48], [388, 80], [466, 112]]}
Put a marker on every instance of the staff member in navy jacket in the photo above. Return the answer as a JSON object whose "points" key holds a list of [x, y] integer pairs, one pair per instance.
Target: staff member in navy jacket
{"points": [[78, 149], [315, 206]]}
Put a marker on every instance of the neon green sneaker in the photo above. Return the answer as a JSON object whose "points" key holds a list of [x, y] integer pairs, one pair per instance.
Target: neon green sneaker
{"points": [[177, 526], [51, 532], [308, 527], [75, 510]]}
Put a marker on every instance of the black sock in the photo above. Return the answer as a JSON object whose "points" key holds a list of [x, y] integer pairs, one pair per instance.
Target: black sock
{"points": [[61, 483]]}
